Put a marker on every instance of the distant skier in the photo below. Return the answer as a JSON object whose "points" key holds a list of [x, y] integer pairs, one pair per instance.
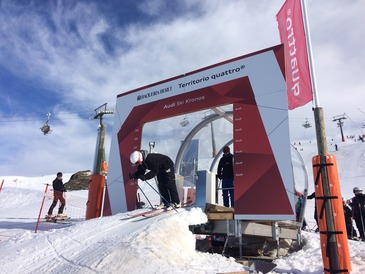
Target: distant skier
{"points": [[225, 173], [358, 209], [156, 164], [336, 147], [58, 189]]}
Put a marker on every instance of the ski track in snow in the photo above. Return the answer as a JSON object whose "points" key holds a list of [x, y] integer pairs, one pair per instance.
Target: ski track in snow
{"points": [[84, 253], [109, 244]]}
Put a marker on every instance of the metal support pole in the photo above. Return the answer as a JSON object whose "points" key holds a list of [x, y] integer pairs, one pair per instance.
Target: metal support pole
{"points": [[322, 148], [322, 151]]}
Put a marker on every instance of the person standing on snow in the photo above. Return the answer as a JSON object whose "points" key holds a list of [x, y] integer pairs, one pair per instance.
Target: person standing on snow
{"points": [[58, 189], [310, 197], [225, 173], [299, 209], [156, 164], [347, 210], [358, 211]]}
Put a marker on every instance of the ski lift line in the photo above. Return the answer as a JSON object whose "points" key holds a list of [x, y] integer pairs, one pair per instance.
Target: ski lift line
{"points": [[361, 111], [37, 120], [354, 122], [37, 115], [34, 117], [223, 114]]}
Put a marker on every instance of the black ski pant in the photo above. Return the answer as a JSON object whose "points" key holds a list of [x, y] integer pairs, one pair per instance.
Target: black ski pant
{"points": [[167, 186], [359, 220], [57, 196], [351, 232]]}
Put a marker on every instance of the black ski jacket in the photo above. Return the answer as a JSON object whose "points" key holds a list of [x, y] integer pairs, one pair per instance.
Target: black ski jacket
{"points": [[225, 167], [58, 185], [358, 205], [155, 163]]}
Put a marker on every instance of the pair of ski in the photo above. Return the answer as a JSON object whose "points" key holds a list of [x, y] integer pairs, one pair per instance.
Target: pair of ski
{"points": [[156, 211], [60, 220], [150, 213]]}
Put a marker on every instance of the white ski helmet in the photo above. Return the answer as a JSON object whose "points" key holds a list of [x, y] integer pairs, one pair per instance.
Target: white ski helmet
{"points": [[136, 157], [357, 190]]}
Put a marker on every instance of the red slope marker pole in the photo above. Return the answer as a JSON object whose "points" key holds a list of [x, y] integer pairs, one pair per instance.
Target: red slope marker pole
{"points": [[40, 211], [1, 186]]}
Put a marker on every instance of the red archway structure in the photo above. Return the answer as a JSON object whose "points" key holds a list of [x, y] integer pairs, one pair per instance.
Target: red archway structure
{"points": [[254, 84]]}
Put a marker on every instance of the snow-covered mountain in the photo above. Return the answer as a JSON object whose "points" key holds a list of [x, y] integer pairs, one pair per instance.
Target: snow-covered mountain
{"points": [[163, 244]]}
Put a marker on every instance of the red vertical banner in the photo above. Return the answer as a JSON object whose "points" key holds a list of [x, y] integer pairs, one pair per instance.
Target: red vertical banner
{"points": [[292, 35]]}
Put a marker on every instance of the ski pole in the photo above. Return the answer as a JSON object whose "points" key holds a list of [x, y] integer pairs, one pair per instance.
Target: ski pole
{"points": [[362, 220], [158, 187], [159, 194], [144, 195], [40, 211]]}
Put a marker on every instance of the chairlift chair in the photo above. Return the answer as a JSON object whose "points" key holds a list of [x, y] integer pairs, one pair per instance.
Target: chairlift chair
{"points": [[306, 124], [46, 129], [184, 122]]}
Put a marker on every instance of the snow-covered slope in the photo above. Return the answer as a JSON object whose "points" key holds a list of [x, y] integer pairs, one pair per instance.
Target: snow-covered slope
{"points": [[163, 244]]}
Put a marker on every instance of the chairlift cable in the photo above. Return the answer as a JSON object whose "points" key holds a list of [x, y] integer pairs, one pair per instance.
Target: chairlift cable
{"points": [[30, 118], [354, 122]]}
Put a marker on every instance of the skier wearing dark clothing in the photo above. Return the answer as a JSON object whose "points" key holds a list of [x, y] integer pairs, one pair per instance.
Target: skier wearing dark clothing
{"points": [[58, 189], [155, 164], [225, 173], [310, 197], [358, 211], [347, 210]]}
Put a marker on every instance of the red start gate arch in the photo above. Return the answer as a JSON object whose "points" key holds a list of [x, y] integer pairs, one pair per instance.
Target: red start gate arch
{"points": [[255, 85]]}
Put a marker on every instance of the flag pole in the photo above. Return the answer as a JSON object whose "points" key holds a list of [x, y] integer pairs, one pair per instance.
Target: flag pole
{"points": [[310, 56], [333, 254], [318, 111]]}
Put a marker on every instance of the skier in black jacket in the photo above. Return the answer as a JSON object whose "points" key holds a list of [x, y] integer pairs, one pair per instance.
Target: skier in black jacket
{"points": [[225, 173], [156, 164], [358, 210], [347, 210], [58, 189]]}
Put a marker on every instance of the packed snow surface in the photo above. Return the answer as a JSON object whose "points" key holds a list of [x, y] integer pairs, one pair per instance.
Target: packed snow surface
{"points": [[126, 244]]}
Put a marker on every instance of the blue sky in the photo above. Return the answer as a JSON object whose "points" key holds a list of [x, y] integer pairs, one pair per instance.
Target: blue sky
{"points": [[69, 57]]}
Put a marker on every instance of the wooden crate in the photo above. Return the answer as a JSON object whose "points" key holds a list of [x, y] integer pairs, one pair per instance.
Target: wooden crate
{"points": [[220, 215], [217, 208]]}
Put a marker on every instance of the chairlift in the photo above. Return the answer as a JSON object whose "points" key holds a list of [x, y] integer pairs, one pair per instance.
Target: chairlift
{"points": [[306, 124], [184, 122], [46, 129]]}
